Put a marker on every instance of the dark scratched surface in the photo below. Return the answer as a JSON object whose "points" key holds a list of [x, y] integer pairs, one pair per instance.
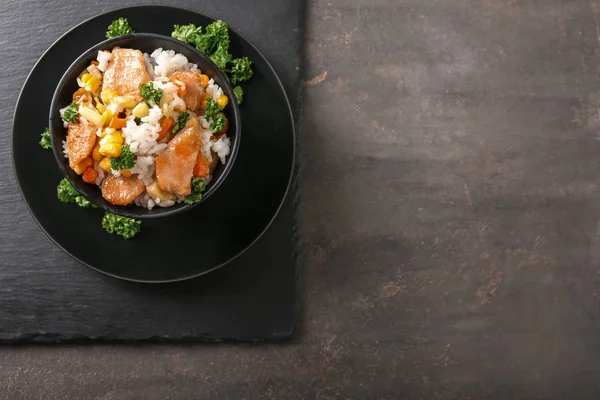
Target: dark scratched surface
{"points": [[449, 220], [45, 296]]}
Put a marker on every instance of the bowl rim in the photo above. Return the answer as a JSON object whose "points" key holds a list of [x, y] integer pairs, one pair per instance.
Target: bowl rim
{"points": [[160, 212]]}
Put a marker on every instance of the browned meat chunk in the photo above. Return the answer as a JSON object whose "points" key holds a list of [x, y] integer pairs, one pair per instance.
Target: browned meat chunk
{"points": [[126, 72], [121, 191], [175, 165], [81, 138], [193, 87]]}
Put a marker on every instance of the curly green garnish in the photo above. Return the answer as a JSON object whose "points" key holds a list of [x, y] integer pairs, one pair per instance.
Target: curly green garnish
{"points": [[241, 70], [45, 140], [124, 161], [239, 94], [71, 114], [68, 194], [198, 187], [150, 94], [181, 119], [123, 226], [119, 27]]}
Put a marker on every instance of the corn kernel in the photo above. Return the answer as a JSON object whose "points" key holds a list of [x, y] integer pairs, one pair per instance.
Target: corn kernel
{"points": [[124, 101], [117, 137], [112, 138], [96, 155], [92, 84], [107, 115], [99, 106], [110, 149], [205, 80], [81, 167], [141, 110], [126, 173], [85, 78], [105, 164], [107, 95], [223, 100]]}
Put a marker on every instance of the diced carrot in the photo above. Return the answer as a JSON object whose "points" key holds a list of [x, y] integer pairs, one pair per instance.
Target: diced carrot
{"points": [[117, 123], [202, 168], [224, 130], [164, 127], [90, 175], [95, 62], [204, 96]]}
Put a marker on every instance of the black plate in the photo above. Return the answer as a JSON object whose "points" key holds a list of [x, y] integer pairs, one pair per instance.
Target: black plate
{"points": [[178, 247]]}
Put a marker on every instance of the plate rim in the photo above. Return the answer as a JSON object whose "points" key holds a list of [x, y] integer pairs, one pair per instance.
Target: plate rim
{"points": [[218, 266]]}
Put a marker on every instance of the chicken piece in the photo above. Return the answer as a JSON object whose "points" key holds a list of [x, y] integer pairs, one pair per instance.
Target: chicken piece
{"points": [[121, 191], [125, 73], [175, 165], [193, 87], [81, 139]]}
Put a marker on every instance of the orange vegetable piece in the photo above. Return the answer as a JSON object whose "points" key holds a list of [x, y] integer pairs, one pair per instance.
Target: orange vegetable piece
{"points": [[205, 80], [202, 167], [164, 128], [117, 123], [204, 97], [90, 175]]}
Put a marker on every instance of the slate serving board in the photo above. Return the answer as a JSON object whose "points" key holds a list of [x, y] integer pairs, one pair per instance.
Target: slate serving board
{"points": [[45, 296]]}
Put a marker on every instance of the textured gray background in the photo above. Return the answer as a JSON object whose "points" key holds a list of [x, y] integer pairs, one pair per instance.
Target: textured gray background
{"points": [[449, 217]]}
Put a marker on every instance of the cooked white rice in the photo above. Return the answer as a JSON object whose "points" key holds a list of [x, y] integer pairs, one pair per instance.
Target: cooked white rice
{"points": [[65, 149], [167, 61], [214, 90]]}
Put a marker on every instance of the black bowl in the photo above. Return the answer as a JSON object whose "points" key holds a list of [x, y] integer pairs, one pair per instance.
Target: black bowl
{"points": [[147, 43]]}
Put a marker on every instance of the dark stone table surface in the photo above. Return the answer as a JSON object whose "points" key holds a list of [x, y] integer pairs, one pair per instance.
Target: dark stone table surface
{"points": [[449, 220]]}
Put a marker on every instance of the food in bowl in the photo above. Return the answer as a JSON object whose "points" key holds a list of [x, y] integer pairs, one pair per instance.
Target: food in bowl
{"points": [[147, 129], [211, 40]]}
